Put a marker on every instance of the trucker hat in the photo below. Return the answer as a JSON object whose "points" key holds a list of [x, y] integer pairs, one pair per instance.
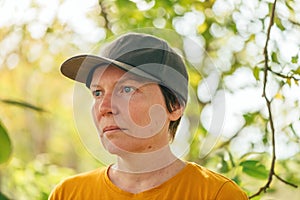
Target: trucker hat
{"points": [[142, 54]]}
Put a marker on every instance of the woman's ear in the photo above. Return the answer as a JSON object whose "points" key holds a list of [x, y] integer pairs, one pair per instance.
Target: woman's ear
{"points": [[177, 112]]}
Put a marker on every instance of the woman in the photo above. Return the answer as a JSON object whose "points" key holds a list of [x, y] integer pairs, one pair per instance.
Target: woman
{"points": [[139, 85]]}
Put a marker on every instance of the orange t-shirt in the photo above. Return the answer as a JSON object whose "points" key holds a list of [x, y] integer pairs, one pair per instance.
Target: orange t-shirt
{"points": [[193, 182]]}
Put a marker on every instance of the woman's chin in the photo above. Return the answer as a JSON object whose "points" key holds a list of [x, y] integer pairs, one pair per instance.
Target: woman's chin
{"points": [[115, 146]]}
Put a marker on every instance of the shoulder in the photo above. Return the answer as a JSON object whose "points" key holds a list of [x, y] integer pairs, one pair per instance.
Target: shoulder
{"points": [[83, 177], [205, 174], [77, 183], [221, 186]]}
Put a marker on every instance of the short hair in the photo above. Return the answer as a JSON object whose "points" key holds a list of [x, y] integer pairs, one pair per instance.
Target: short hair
{"points": [[172, 101]]}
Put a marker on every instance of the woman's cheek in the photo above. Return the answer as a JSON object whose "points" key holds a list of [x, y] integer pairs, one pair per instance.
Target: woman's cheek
{"points": [[139, 113]]}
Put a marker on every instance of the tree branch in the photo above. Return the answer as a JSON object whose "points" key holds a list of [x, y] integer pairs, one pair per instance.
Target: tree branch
{"points": [[284, 76], [104, 12], [294, 22], [266, 61], [268, 104], [284, 181]]}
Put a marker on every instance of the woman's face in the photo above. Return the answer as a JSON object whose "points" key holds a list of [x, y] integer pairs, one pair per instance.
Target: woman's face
{"points": [[129, 111]]}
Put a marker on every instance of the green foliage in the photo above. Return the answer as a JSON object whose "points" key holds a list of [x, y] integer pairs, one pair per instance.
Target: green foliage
{"points": [[295, 59], [22, 104], [34, 179], [255, 169], [279, 24], [256, 71], [3, 197], [274, 57], [224, 166], [5, 144], [249, 118], [297, 71], [5, 141]]}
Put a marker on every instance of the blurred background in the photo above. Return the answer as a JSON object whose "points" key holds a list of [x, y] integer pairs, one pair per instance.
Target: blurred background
{"points": [[226, 125]]}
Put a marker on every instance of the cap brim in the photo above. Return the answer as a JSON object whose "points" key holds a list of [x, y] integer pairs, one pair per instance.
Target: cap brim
{"points": [[78, 67]]}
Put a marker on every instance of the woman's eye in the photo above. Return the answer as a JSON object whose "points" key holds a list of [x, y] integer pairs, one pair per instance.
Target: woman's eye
{"points": [[128, 89], [97, 93]]}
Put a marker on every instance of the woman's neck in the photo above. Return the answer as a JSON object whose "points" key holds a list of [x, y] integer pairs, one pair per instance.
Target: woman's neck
{"points": [[145, 162], [145, 172]]}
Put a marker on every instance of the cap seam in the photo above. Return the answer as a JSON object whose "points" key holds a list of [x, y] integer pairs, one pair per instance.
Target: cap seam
{"points": [[163, 60]]}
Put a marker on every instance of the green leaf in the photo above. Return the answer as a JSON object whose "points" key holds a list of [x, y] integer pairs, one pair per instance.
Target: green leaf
{"points": [[3, 197], [5, 144], [225, 167], [287, 3], [237, 180], [289, 81], [294, 59], [274, 57], [231, 159], [22, 104], [297, 71], [255, 169], [279, 24], [249, 118], [256, 71]]}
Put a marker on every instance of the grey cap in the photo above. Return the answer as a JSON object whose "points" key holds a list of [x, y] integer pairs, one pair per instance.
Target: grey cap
{"points": [[141, 54]]}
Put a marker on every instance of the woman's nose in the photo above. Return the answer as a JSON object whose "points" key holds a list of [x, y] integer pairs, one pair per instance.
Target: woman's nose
{"points": [[104, 106]]}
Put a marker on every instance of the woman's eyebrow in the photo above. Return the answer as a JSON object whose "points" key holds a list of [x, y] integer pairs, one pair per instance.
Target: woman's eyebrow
{"points": [[136, 78], [121, 81], [95, 86]]}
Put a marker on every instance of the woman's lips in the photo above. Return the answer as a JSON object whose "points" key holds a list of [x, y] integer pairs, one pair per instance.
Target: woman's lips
{"points": [[111, 129]]}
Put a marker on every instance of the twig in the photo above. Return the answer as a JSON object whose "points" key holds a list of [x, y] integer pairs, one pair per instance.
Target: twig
{"points": [[266, 68], [268, 103], [266, 61], [294, 22], [284, 181], [104, 14], [284, 76]]}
